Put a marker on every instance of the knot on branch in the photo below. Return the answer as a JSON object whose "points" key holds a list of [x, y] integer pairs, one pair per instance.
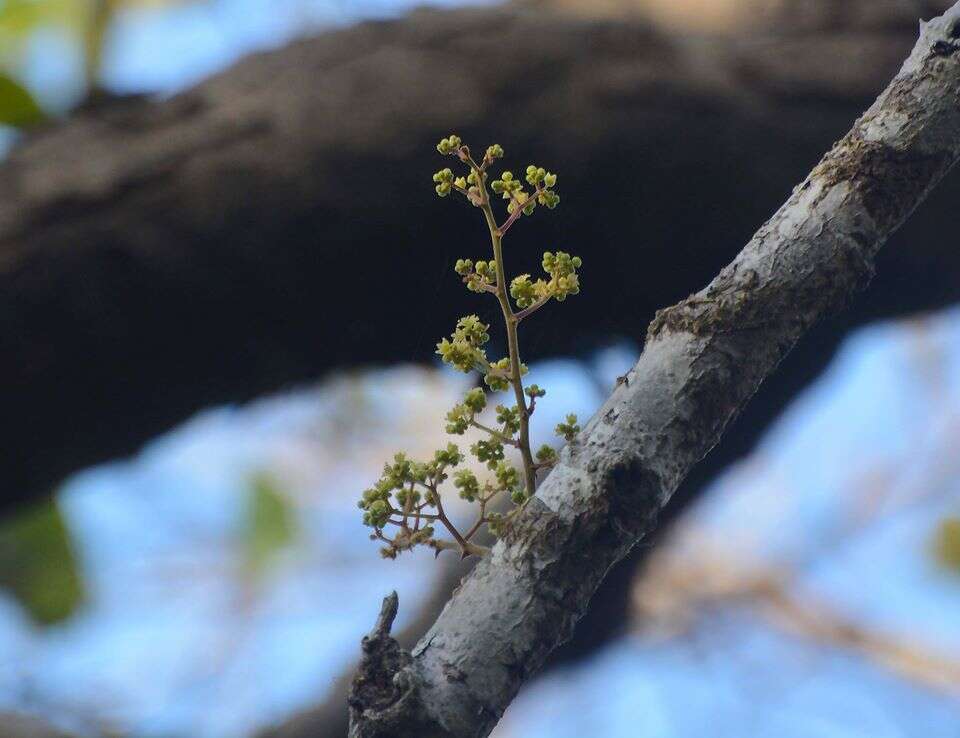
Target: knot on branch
{"points": [[374, 687], [385, 697]]}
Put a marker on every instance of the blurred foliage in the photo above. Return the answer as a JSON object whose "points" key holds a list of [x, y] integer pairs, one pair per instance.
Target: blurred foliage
{"points": [[38, 566], [17, 106], [270, 524], [947, 543], [86, 22]]}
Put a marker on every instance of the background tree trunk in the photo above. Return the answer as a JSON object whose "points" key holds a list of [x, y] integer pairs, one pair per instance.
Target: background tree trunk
{"points": [[157, 257]]}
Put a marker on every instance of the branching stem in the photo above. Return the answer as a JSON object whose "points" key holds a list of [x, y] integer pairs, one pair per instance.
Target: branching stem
{"points": [[511, 321], [407, 487], [518, 211], [502, 437], [442, 517], [526, 312]]}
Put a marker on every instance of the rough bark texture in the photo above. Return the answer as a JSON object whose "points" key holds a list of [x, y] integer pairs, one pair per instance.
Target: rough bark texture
{"points": [[160, 257], [704, 359]]}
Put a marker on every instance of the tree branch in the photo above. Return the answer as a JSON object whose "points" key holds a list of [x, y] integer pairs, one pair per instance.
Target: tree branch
{"points": [[704, 359]]}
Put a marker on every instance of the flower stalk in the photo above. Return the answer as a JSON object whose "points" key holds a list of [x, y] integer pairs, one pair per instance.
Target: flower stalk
{"points": [[408, 495]]}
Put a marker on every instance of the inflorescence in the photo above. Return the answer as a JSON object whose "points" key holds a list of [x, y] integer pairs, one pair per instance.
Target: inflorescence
{"points": [[407, 499]]}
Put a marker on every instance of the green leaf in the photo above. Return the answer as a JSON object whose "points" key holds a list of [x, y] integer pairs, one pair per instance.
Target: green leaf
{"points": [[946, 543], [17, 106], [21, 17], [270, 525], [38, 566]]}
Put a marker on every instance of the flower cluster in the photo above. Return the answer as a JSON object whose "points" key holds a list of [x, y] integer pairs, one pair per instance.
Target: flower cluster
{"points": [[479, 277], [563, 280], [444, 180], [569, 429], [462, 350], [408, 496], [449, 145]]}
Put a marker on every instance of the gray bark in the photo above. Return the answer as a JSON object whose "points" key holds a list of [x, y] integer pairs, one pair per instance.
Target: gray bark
{"points": [[704, 359]]}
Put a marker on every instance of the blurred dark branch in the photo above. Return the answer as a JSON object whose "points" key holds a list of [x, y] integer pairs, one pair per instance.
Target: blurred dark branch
{"points": [[705, 358], [160, 257], [679, 593], [17, 725], [910, 658]]}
